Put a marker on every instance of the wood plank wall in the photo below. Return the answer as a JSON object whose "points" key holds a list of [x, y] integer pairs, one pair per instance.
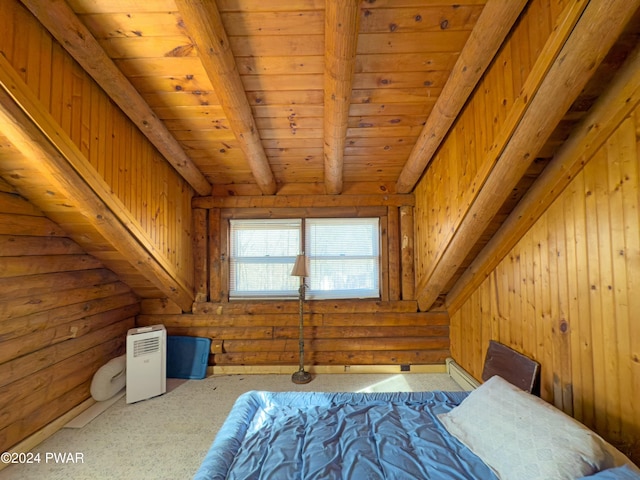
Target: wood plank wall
{"points": [[463, 161], [567, 295], [62, 316], [388, 331], [151, 194]]}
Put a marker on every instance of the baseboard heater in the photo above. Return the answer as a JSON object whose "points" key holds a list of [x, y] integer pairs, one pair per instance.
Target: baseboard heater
{"points": [[460, 375]]}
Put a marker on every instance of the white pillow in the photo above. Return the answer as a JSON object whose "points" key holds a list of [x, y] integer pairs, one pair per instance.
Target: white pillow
{"points": [[523, 437]]}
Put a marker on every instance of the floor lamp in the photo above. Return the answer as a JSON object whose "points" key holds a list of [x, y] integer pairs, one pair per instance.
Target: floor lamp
{"points": [[300, 270]]}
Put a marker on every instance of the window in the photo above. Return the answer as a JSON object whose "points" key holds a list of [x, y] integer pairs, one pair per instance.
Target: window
{"points": [[262, 256], [343, 257]]}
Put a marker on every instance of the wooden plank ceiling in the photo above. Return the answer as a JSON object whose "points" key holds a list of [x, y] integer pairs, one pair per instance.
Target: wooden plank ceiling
{"points": [[254, 97], [254, 112]]}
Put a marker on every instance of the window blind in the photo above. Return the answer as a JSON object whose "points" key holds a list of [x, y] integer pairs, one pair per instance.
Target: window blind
{"points": [[343, 257], [262, 254]]}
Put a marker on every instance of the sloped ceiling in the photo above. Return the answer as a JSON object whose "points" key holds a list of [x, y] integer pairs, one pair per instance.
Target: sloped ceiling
{"points": [[252, 97], [275, 94]]}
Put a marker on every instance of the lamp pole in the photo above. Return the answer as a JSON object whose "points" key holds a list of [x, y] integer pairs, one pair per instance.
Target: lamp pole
{"points": [[300, 270]]}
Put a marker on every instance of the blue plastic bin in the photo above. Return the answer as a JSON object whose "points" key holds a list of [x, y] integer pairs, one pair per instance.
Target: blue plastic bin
{"points": [[187, 357]]}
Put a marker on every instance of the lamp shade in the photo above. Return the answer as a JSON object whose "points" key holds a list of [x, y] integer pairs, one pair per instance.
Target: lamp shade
{"points": [[300, 267]]}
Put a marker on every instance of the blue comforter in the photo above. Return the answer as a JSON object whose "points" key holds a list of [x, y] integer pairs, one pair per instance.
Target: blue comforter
{"points": [[312, 435]]}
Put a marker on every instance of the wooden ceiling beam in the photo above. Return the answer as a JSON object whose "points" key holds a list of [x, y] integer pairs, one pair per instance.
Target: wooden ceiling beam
{"points": [[202, 20], [341, 38], [487, 36], [595, 33], [606, 115], [64, 25], [33, 132], [303, 201], [550, 51]]}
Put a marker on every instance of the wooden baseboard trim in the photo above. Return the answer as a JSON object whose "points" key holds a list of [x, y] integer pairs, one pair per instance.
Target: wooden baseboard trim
{"points": [[321, 369], [41, 435]]}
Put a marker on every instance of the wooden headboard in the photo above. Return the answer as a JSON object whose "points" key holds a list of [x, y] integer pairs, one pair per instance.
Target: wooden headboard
{"points": [[514, 367]]}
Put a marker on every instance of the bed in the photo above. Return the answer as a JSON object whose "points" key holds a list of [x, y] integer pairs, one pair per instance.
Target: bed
{"points": [[497, 431]]}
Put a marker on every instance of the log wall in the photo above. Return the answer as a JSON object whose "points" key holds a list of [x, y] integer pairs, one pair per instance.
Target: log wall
{"points": [[62, 316], [567, 295], [137, 183], [342, 333], [388, 331]]}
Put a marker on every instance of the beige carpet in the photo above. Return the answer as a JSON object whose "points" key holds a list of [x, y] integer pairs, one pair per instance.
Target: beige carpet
{"points": [[168, 436]]}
